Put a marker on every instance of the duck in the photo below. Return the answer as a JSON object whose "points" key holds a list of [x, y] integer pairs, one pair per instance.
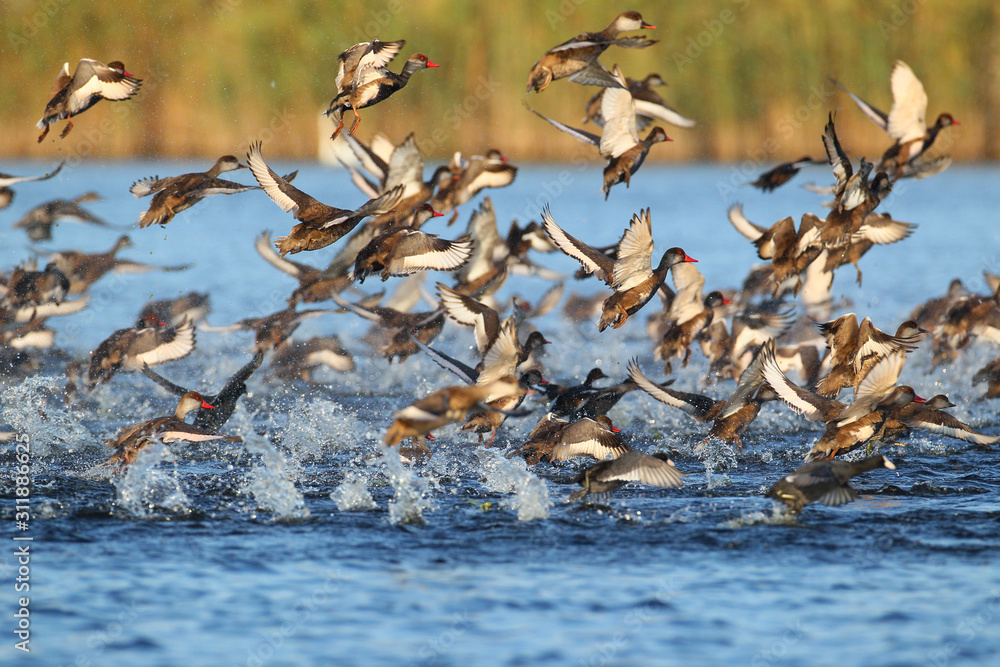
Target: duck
{"points": [[129, 349], [729, 417], [930, 416], [132, 439], [8, 180], [990, 373], [605, 477], [906, 124], [847, 426], [402, 251], [571, 398], [315, 284], [503, 407], [91, 82], [825, 482], [589, 401], [398, 331], [29, 289], [504, 357], [855, 197], [630, 276], [597, 438], [84, 269], [444, 406], [299, 359], [404, 165], [485, 320], [649, 106], [931, 313], [619, 142], [877, 229], [272, 331], [854, 350], [37, 223], [974, 316], [486, 270], [784, 172], [320, 224], [479, 172], [179, 193], [363, 80], [191, 307], [212, 417], [789, 251], [576, 59]]}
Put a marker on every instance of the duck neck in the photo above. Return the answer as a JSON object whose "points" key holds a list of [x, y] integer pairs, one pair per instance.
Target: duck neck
{"points": [[409, 68]]}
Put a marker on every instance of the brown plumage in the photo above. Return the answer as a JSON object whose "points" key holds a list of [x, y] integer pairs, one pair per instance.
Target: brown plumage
{"points": [[847, 426], [37, 223], [778, 176], [906, 123], [91, 82], [132, 439], [824, 481], [179, 193], [400, 252], [393, 337], [363, 80], [443, 407], [606, 477], [299, 359], [729, 417], [320, 224], [577, 57], [630, 275], [192, 307], [129, 349]]}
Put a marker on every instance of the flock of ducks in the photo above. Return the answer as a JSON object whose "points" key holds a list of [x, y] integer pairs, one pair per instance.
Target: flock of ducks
{"points": [[750, 335]]}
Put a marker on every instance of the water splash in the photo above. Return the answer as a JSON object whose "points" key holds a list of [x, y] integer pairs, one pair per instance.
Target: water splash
{"points": [[271, 484], [503, 475], [313, 424], [717, 455], [34, 407], [412, 491], [146, 486], [353, 495]]}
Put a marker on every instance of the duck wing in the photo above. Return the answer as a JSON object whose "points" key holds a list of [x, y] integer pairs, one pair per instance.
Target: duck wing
{"points": [[593, 260], [906, 121], [620, 133], [635, 250], [808, 404], [579, 135]]}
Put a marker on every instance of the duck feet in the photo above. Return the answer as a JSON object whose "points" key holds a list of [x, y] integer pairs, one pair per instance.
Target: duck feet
{"points": [[336, 132], [357, 121], [42, 135], [69, 126]]}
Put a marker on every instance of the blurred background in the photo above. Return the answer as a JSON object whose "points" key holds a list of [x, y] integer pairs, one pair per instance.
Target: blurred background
{"points": [[754, 74]]}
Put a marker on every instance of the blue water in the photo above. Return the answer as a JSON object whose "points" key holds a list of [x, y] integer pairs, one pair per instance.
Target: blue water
{"points": [[304, 546]]}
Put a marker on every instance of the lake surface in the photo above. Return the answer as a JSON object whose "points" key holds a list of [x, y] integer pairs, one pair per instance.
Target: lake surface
{"points": [[304, 545]]}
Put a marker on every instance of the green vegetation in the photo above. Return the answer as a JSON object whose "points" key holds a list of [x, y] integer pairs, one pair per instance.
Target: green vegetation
{"points": [[754, 73]]}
